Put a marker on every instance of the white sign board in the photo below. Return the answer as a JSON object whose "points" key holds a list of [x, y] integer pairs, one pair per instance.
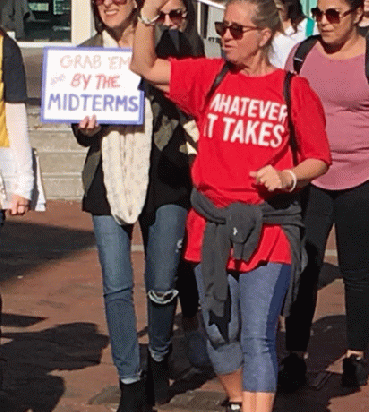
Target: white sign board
{"points": [[79, 82]]}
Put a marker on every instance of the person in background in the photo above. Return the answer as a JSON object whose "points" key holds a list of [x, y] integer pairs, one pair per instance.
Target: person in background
{"points": [[364, 22], [335, 69], [13, 15], [243, 174], [177, 38], [16, 163], [156, 170], [296, 28]]}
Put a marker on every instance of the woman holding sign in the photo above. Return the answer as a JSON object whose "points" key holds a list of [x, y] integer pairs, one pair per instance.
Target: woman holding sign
{"points": [[155, 193], [244, 227]]}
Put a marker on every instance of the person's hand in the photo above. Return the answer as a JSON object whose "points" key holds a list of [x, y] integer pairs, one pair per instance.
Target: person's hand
{"points": [[151, 8], [273, 179], [366, 8], [89, 126], [19, 205]]}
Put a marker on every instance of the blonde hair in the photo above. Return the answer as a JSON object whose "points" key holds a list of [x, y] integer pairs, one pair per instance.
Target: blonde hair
{"points": [[266, 16]]}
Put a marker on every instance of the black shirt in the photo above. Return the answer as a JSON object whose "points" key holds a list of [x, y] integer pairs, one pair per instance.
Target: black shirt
{"points": [[14, 76]]}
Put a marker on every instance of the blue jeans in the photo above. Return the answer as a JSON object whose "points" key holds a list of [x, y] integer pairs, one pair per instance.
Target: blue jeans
{"points": [[163, 241], [256, 302]]}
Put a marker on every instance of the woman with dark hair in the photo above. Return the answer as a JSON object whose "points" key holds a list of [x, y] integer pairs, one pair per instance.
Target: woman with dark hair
{"points": [[244, 227], [335, 68], [156, 167], [296, 28], [364, 23]]}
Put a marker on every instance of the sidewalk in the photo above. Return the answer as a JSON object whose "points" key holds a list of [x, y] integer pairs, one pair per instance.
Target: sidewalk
{"points": [[55, 338]]}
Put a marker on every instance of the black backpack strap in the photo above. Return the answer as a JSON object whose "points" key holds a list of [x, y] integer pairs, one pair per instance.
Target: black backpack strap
{"points": [[287, 98], [302, 51], [305, 46], [218, 79]]}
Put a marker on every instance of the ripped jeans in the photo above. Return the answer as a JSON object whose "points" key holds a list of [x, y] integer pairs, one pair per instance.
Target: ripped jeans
{"points": [[163, 241]]}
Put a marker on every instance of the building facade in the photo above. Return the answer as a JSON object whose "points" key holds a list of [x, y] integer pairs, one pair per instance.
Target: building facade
{"points": [[36, 23]]}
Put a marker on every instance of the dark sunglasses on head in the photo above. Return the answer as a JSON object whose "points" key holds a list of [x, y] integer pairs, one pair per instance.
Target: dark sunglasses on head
{"points": [[236, 30], [175, 15], [100, 2], [333, 16]]}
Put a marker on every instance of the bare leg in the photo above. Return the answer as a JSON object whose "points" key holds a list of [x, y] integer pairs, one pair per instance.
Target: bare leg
{"points": [[257, 401], [232, 384]]}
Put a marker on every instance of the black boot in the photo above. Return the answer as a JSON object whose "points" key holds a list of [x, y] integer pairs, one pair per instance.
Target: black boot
{"points": [[293, 373], [132, 397], [157, 382], [355, 372]]}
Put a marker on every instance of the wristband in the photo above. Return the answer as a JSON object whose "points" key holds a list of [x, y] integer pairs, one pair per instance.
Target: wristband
{"points": [[294, 180], [146, 21]]}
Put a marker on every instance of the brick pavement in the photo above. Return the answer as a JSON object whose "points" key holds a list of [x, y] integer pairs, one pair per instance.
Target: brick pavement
{"points": [[55, 338]]}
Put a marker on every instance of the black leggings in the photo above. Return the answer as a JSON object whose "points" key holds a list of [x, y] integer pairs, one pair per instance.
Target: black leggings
{"points": [[187, 287], [348, 210]]}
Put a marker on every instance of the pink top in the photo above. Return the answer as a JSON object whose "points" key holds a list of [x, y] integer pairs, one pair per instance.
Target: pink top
{"points": [[344, 91]]}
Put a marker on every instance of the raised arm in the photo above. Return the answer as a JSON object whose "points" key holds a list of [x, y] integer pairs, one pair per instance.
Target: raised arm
{"points": [[144, 59]]}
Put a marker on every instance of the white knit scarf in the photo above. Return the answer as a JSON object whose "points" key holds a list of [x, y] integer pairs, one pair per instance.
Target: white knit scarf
{"points": [[126, 162]]}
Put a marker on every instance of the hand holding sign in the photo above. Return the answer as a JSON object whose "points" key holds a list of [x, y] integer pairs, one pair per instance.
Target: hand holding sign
{"points": [[89, 126]]}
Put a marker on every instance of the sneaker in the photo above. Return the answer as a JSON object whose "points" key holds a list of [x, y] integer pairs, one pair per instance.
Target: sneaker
{"points": [[293, 373], [233, 406], [197, 354], [355, 372]]}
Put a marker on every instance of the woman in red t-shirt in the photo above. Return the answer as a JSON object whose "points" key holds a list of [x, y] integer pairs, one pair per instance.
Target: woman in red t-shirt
{"points": [[244, 227]]}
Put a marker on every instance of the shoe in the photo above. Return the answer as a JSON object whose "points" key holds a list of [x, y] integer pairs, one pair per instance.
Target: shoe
{"points": [[197, 354], [293, 373], [232, 406], [132, 397], [157, 381], [355, 372]]}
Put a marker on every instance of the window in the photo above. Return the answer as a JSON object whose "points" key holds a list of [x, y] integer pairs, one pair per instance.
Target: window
{"points": [[38, 20]]}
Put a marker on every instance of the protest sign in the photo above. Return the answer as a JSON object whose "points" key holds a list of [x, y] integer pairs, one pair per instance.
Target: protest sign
{"points": [[80, 81]]}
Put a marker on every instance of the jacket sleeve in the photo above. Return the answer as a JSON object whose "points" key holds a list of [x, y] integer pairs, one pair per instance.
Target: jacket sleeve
{"points": [[88, 141]]}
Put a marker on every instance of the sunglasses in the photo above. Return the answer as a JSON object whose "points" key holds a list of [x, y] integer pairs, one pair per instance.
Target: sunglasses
{"points": [[175, 15], [236, 30], [118, 2], [333, 16]]}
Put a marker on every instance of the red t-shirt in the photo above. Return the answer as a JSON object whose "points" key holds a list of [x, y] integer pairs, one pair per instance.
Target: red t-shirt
{"points": [[244, 128]]}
